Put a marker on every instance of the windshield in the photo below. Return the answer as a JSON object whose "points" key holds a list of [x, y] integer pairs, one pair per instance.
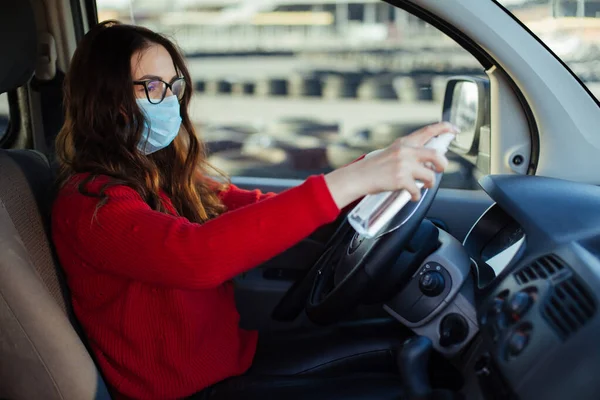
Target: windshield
{"points": [[570, 28]]}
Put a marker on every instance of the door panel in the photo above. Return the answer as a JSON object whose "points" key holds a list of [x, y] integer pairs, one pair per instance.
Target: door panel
{"points": [[259, 290], [256, 296]]}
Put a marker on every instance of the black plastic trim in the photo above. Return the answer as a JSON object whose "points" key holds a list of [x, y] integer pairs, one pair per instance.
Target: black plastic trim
{"points": [[77, 15], [534, 153], [91, 12]]}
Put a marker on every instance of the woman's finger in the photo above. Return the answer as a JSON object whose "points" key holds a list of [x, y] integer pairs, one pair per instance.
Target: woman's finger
{"points": [[423, 135], [424, 175], [432, 157], [408, 182]]}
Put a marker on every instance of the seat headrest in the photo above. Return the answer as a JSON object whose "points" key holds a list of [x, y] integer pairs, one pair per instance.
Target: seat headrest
{"points": [[18, 43]]}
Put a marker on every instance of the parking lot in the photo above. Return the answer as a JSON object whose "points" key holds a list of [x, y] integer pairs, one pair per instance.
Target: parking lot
{"points": [[350, 114]]}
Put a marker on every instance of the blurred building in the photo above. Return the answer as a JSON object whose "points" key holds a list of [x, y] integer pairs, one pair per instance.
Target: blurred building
{"points": [[276, 26]]}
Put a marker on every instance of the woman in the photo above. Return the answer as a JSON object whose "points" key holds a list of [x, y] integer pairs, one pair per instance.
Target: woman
{"points": [[149, 243]]}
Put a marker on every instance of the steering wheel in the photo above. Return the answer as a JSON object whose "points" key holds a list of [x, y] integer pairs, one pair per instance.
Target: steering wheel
{"points": [[352, 263]]}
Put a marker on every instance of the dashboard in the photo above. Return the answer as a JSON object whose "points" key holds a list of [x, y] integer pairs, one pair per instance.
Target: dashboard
{"points": [[536, 257], [493, 243]]}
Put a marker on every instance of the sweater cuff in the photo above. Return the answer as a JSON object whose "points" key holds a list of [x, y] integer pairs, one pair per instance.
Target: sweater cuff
{"points": [[326, 210]]}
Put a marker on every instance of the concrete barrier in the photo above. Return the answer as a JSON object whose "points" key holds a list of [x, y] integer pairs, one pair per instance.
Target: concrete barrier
{"points": [[420, 86], [424, 87], [337, 87], [243, 88], [304, 86], [438, 88], [271, 87], [200, 86], [406, 89], [220, 86], [377, 88]]}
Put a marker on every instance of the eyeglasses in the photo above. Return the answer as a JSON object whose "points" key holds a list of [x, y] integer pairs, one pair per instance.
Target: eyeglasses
{"points": [[156, 89]]}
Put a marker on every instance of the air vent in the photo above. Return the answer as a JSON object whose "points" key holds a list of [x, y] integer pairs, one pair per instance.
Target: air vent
{"points": [[542, 268], [569, 307]]}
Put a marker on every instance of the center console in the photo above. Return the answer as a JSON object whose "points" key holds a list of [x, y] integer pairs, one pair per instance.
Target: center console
{"points": [[537, 330], [438, 301]]}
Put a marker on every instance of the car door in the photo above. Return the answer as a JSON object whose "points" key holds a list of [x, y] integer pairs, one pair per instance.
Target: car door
{"points": [[289, 90]]}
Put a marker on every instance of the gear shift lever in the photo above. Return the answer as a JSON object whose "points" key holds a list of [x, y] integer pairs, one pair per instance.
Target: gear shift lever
{"points": [[412, 361]]}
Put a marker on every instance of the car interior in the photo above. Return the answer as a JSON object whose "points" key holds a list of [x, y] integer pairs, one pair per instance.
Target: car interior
{"points": [[493, 293]]}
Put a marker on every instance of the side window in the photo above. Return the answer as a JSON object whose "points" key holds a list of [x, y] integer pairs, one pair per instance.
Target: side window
{"points": [[4, 115], [290, 89]]}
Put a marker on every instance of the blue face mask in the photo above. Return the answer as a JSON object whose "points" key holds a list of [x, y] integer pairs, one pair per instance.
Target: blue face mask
{"points": [[162, 124]]}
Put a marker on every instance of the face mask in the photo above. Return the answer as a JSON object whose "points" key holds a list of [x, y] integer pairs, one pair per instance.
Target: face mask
{"points": [[161, 125]]}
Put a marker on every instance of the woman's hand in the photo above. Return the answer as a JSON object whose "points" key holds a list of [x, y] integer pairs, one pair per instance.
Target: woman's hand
{"points": [[396, 167]]}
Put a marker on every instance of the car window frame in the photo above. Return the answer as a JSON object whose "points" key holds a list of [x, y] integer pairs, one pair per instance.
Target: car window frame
{"points": [[549, 50]]}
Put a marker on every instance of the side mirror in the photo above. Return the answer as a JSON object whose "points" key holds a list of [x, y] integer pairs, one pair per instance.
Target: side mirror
{"points": [[466, 105]]}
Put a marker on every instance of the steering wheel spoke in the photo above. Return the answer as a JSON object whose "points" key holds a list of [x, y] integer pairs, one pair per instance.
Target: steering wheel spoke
{"points": [[362, 262], [352, 265]]}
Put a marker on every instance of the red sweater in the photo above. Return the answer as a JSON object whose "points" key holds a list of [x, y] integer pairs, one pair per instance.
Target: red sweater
{"points": [[152, 290]]}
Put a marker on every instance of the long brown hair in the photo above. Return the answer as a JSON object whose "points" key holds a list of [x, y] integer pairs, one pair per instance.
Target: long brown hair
{"points": [[103, 126]]}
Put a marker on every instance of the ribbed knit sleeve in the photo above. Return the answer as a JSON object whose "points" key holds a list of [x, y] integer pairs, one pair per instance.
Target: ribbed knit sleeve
{"points": [[126, 237]]}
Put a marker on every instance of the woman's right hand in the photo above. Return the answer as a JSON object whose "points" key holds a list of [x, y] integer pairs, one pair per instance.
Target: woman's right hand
{"points": [[396, 167]]}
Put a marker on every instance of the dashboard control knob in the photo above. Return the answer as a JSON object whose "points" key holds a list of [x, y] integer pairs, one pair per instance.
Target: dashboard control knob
{"points": [[432, 283], [501, 322], [495, 309], [454, 329], [517, 342], [497, 305], [495, 318], [518, 305]]}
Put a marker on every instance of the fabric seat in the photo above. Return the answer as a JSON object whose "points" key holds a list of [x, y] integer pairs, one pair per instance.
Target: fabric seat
{"points": [[41, 353]]}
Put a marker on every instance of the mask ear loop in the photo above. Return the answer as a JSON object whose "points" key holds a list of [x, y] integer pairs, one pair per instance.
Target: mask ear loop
{"points": [[140, 125]]}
